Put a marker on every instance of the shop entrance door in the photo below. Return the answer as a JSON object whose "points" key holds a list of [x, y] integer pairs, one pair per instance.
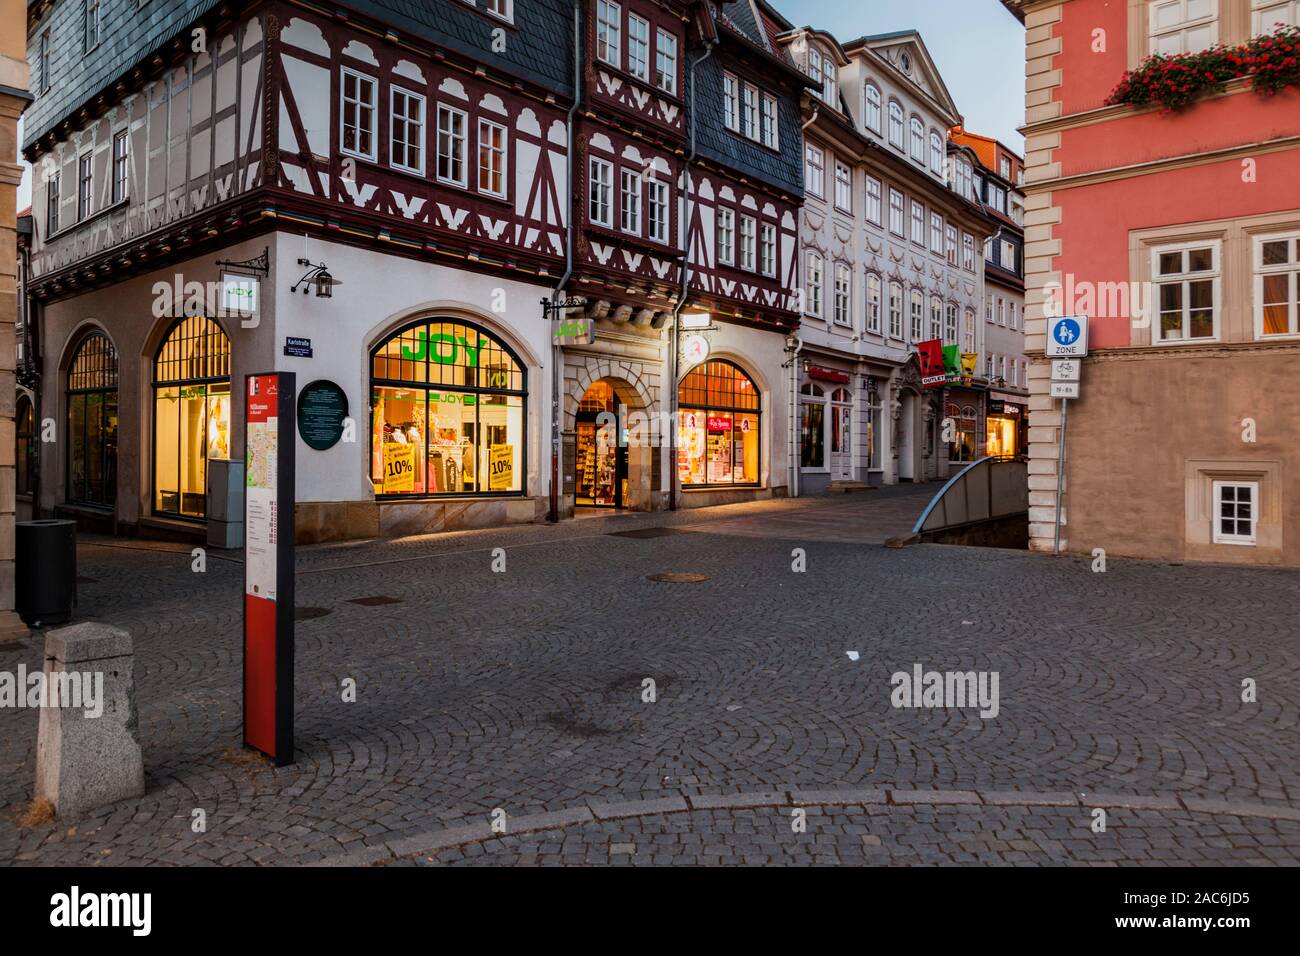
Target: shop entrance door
{"points": [[841, 436], [601, 469]]}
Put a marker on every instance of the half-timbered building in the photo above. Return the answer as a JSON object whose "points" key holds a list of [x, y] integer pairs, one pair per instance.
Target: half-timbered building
{"points": [[385, 198]]}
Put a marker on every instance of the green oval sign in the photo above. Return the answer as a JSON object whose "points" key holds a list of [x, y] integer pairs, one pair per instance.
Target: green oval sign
{"points": [[322, 407]]}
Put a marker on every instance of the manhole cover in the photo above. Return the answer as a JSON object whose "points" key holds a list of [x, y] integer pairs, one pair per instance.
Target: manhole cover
{"points": [[375, 600], [307, 613], [648, 533], [679, 577]]}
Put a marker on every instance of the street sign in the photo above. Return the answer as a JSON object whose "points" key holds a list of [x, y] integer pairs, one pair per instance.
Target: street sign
{"points": [[1066, 370], [1065, 390], [1067, 336]]}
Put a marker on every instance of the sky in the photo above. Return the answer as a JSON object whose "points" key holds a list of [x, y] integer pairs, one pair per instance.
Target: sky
{"points": [[978, 46]]}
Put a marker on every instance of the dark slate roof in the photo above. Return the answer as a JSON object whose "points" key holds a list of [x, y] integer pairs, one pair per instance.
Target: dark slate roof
{"points": [[539, 49], [128, 33]]}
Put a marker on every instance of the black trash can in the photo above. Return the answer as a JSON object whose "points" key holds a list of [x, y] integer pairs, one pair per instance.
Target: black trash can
{"points": [[45, 572]]}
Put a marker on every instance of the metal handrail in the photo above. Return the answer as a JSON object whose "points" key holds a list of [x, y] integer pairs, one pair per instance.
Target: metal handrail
{"points": [[987, 462]]}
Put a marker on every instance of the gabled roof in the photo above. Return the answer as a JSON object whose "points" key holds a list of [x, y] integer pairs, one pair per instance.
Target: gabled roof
{"points": [[756, 26], [882, 43]]}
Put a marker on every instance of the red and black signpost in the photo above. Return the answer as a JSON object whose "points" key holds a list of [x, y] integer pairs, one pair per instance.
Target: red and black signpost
{"points": [[268, 563]]}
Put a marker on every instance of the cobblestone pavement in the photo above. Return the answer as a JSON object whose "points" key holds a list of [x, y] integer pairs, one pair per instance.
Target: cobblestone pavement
{"points": [[523, 690]]}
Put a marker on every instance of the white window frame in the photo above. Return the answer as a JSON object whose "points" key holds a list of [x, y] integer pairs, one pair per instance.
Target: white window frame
{"points": [[361, 107], [897, 126], [968, 252], [659, 208], [609, 25], [936, 233], [1179, 29], [843, 187], [874, 210], [936, 318], [872, 108], [447, 137], [950, 328], [816, 278], [896, 306], [815, 160], [1219, 536], [501, 9], [950, 244], [85, 185], [968, 330], [897, 213], [936, 153], [770, 122], [604, 182], [91, 24], [119, 165], [749, 111], [407, 122], [638, 47], [748, 241], [503, 155], [731, 101], [916, 313], [1265, 13], [916, 140], [1214, 275], [630, 192], [1291, 269], [842, 306], [726, 236], [666, 61], [874, 297], [767, 249], [918, 223]]}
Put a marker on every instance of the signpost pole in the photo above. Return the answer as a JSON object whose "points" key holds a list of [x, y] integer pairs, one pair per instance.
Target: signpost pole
{"points": [[269, 449], [1060, 477]]}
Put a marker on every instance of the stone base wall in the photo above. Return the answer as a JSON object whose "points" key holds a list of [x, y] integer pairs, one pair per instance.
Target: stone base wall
{"points": [[319, 521]]}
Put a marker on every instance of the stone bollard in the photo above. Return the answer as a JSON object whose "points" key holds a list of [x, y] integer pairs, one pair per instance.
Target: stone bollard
{"points": [[84, 760]]}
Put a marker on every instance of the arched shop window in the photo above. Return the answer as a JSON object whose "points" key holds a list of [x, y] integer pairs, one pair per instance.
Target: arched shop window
{"points": [[191, 388], [448, 402], [25, 422], [718, 426], [92, 423]]}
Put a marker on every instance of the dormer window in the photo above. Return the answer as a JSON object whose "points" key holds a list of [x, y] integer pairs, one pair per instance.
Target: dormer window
{"points": [[871, 108], [830, 83]]}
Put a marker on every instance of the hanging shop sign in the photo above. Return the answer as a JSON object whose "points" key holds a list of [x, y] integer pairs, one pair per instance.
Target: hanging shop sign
{"points": [[930, 354], [574, 332], [501, 467], [695, 349], [268, 564], [399, 467], [951, 364], [322, 409], [968, 362], [833, 375], [238, 294]]}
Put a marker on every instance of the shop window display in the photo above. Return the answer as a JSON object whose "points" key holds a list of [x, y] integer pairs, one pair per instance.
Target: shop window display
{"points": [[965, 440], [718, 426], [447, 413], [191, 414]]}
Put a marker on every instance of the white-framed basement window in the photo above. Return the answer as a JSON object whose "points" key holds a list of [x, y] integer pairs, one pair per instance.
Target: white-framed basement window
{"points": [[1236, 512], [1182, 26], [1186, 281], [1277, 285]]}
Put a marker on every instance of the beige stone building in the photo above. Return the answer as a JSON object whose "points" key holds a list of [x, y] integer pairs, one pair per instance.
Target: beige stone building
{"points": [[14, 97]]}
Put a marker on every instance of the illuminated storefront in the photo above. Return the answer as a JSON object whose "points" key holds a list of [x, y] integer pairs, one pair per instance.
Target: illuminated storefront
{"points": [[448, 406], [1004, 428], [601, 465], [92, 423], [718, 439], [963, 420], [191, 386]]}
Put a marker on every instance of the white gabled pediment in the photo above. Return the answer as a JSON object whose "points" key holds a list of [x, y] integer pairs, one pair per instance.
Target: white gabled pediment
{"points": [[920, 69]]}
